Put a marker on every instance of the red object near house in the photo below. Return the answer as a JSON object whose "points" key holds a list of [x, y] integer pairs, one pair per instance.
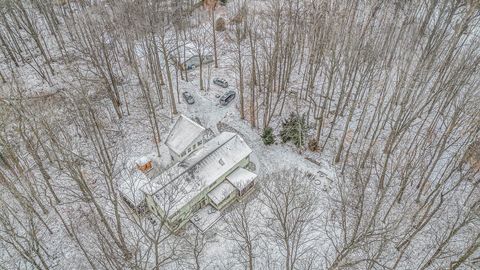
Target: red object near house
{"points": [[144, 164]]}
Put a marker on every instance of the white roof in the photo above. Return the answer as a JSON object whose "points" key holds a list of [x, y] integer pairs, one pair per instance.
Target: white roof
{"points": [[179, 184], [131, 183], [183, 133], [142, 160], [240, 178], [187, 51], [221, 192], [205, 218]]}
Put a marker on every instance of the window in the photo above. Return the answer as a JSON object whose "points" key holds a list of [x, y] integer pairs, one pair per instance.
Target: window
{"points": [[196, 206], [247, 188]]}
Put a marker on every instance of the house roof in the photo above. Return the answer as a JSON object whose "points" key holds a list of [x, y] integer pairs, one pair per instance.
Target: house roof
{"points": [[131, 183], [240, 178], [179, 184], [185, 52], [221, 192], [142, 160], [183, 133], [205, 218]]}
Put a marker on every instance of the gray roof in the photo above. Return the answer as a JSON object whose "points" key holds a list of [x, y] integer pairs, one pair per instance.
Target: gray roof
{"points": [[183, 133]]}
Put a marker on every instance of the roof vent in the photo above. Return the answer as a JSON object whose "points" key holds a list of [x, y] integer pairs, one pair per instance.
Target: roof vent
{"points": [[221, 162]]}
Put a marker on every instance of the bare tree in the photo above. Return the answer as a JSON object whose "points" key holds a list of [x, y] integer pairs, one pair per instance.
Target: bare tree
{"points": [[243, 230], [291, 212]]}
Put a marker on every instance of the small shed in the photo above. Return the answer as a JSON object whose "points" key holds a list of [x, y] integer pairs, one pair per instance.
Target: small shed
{"points": [[144, 164]]}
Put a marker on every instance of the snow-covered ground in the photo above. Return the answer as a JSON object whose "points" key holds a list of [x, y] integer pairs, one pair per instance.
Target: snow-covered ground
{"points": [[352, 210]]}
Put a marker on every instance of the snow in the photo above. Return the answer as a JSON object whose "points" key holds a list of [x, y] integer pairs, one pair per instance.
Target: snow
{"points": [[221, 192], [137, 141], [179, 184], [183, 134], [142, 160], [240, 178], [205, 218], [130, 185]]}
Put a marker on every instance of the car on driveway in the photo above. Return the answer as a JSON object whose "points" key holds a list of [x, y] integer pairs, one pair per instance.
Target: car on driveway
{"points": [[188, 97], [227, 98], [220, 82]]}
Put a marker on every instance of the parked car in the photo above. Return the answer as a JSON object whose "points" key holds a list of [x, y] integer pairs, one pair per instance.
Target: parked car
{"points": [[188, 97], [227, 98], [220, 82]]}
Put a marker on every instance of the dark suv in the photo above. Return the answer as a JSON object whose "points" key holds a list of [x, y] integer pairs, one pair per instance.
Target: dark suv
{"points": [[188, 97], [227, 98]]}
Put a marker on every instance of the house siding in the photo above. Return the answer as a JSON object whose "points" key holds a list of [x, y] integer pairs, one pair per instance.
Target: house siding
{"points": [[191, 147]]}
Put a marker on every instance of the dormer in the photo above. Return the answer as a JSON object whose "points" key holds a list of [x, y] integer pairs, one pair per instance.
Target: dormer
{"points": [[185, 137]]}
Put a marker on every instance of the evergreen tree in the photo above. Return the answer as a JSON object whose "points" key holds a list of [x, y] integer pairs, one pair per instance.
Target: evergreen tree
{"points": [[294, 129], [268, 137]]}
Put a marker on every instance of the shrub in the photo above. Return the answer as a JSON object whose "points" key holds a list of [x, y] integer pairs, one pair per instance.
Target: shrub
{"points": [[268, 137], [294, 129]]}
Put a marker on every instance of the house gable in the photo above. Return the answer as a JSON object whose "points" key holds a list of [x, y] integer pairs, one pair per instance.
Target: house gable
{"points": [[183, 135]]}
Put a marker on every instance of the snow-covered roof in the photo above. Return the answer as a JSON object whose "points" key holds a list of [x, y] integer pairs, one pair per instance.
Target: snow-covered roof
{"points": [[187, 51], [183, 133], [179, 184], [130, 184], [240, 178], [142, 160], [221, 192], [205, 218]]}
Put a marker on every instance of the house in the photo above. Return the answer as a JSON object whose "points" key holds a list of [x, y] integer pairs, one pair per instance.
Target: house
{"points": [[205, 173], [185, 137], [194, 61], [187, 56], [130, 188]]}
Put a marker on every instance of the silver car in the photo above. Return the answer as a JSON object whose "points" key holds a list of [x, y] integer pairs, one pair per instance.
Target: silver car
{"points": [[220, 82], [227, 98]]}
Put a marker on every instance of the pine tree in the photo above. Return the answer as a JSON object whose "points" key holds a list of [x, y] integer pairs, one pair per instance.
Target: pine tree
{"points": [[268, 137], [294, 129]]}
